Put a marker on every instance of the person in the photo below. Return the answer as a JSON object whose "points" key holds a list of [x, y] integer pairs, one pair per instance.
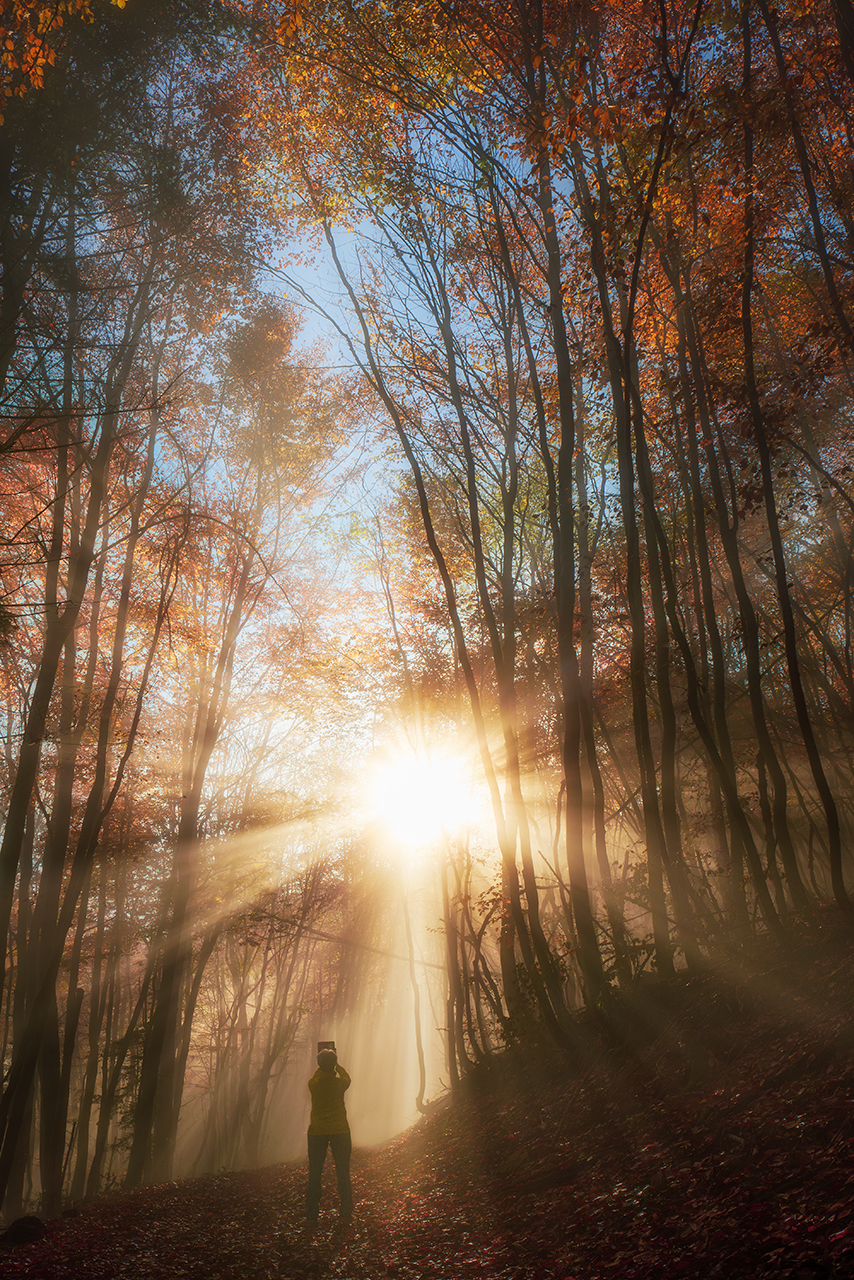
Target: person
{"points": [[327, 1128]]}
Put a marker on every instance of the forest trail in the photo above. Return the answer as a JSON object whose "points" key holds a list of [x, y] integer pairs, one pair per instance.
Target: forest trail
{"points": [[722, 1147]]}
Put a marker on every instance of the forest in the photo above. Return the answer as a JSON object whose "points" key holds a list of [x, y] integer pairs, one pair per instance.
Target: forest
{"points": [[426, 516]]}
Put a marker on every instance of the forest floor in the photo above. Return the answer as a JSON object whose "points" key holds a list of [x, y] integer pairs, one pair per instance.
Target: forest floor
{"points": [[715, 1141]]}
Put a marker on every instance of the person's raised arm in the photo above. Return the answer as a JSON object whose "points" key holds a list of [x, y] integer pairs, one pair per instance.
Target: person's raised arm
{"points": [[342, 1075]]}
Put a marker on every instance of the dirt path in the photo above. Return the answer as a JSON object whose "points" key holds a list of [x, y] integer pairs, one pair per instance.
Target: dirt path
{"points": [[249, 1226]]}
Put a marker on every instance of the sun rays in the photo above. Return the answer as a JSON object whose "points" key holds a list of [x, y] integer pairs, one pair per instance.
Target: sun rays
{"points": [[419, 800]]}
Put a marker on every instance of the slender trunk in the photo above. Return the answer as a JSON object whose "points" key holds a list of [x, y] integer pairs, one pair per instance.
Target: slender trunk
{"points": [[805, 167], [728, 525], [416, 1007], [60, 620], [160, 1088], [97, 1008], [454, 1049], [563, 536], [772, 870], [758, 420], [613, 909], [110, 1088], [543, 970]]}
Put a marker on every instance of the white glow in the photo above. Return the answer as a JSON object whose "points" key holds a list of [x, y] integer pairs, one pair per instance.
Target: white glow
{"points": [[419, 800]]}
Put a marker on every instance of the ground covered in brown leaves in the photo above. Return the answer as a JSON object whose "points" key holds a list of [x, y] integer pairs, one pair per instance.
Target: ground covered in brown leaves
{"points": [[714, 1138]]}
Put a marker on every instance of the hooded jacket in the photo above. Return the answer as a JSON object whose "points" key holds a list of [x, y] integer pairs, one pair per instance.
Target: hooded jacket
{"points": [[328, 1114]]}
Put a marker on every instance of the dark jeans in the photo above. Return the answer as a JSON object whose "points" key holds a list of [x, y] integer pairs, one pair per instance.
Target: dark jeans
{"points": [[341, 1148]]}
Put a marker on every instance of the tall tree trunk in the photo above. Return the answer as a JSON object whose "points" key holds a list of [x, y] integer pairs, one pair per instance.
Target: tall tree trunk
{"points": [[783, 592]]}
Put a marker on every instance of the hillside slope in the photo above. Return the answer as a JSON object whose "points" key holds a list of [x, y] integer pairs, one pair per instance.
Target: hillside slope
{"points": [[714, 1139]]}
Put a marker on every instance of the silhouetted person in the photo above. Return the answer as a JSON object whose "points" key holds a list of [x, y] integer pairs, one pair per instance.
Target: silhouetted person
{"points": [[328, 1128]]}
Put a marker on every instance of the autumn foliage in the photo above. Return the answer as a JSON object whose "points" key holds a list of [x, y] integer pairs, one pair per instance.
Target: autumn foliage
{"points": [[430, 377]]}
